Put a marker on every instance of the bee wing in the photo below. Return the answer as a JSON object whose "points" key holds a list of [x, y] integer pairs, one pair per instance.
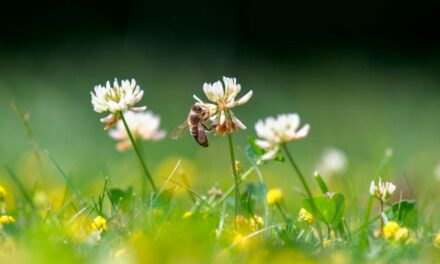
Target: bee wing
{"points": [[202, 139], [179, 130]]}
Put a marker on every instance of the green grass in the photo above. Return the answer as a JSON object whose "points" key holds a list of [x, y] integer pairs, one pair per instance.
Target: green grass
{"points": [[353, 102]]}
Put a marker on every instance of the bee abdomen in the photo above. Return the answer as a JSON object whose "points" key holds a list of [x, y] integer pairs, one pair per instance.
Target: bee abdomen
{"points": [[194, 131]]}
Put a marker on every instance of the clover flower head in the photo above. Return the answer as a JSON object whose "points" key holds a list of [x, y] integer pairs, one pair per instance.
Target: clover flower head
{"points": [[143, 126], [223, 100], [333, 162], [275, 131], [382, 191], [99, 224], [116, 98], [305, 216]]}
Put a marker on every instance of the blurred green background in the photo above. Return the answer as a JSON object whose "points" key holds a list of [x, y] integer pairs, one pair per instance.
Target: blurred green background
{"points": [[365, 80]]}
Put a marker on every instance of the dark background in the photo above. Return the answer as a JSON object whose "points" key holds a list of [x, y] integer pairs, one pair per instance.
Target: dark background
{"points": [[364, 75], [269, 27]]}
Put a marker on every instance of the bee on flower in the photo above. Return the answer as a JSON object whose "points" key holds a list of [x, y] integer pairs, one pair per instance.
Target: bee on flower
{"points": [[143, 126], [115, 99], [382, 191], [223, 100], [333, 162], [275, 131]]}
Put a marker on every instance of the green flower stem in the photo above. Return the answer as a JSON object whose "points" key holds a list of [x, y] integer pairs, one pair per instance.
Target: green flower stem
{"points": [[303, 181], [381, 215], [138, 153], [236, 180], [300, 175], [243, 177], [283, 213]]}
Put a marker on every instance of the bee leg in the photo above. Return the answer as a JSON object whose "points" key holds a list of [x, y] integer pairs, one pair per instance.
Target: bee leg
{"points": [[211, 128]]}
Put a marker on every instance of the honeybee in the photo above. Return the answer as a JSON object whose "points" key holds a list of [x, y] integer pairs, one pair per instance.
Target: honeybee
{"points": [[195, 122]]}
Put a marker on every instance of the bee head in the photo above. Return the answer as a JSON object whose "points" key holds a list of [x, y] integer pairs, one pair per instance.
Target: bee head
{"points": [[201, 110]]}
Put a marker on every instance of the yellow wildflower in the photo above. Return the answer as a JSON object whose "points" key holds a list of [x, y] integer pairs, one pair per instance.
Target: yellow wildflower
{"points": [[99, 223], [390, 229], [2, 193], [256, 223], [274, 196], [241, 221], [7, 219], [187, 214], [401, 234], [305, 216], [437, 240]]}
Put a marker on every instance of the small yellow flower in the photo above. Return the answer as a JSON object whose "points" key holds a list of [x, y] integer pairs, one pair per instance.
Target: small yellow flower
{"points": [[305, 216], [437, 240], [274, 196], [256, 223], [2, 193], [7, 219], [402, 234], [390, 229], [99, 223], [187, 214], [241, 221]]}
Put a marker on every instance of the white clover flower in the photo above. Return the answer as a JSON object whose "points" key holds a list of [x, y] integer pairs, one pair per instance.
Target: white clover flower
{"points": [[382, 191], [276, 131], [143, 126], [224, 100], [116, 99], [333, 162]]}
